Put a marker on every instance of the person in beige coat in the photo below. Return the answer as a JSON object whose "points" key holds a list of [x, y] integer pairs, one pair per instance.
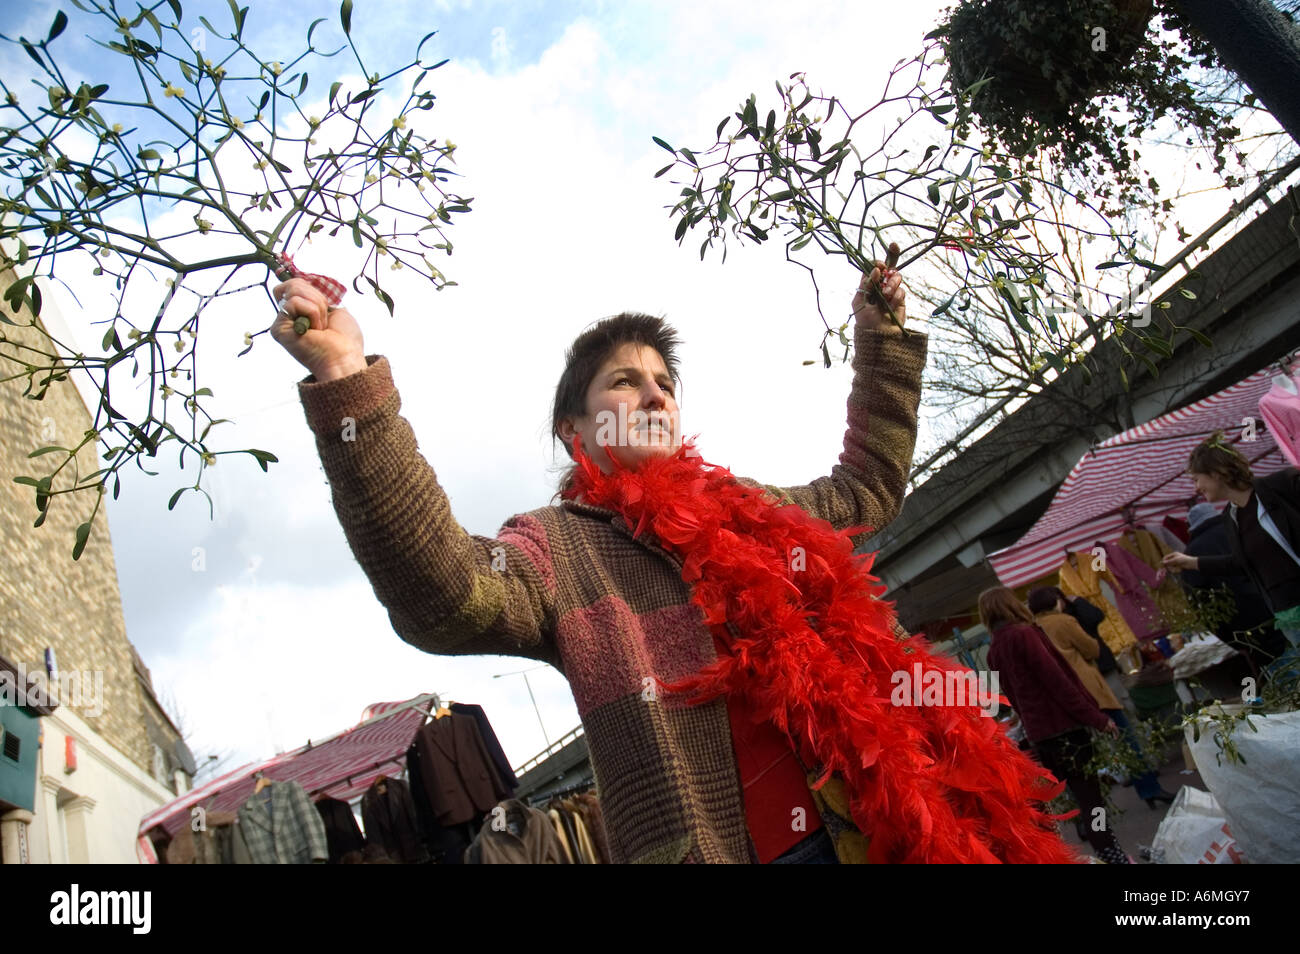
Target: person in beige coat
{"points": [[1081, 651]]}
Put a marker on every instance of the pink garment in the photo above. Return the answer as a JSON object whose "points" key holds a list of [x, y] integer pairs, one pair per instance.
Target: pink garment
{"points": [[1133, 598], [1280, 409]]}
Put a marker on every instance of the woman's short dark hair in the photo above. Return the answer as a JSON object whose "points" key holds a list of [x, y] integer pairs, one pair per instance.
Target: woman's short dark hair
{"points": [[1215, 458], [1043, 599], [593, 348]]}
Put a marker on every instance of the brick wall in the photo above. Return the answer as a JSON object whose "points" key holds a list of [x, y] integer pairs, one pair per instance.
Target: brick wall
{"points": [[47, 598]]}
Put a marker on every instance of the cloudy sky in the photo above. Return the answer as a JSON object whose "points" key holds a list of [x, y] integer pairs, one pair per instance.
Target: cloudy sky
{"points": [[552, 105]]}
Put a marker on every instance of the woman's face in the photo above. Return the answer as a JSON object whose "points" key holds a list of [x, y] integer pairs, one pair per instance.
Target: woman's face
{"points": [[631, 409], [1210, 487]]}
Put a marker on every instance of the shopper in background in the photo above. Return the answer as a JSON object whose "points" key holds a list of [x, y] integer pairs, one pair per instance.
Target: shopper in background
{"points": [[1081, 651], [1250, 613], [1261, 523], [1054, 707], [1089, 618]]}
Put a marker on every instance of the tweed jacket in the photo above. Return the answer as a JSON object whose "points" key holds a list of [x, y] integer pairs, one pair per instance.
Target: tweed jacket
{"points": [[568, 585], [291, 834]]}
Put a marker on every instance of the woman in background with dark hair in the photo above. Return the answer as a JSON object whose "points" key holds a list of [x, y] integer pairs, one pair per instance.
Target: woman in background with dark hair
{"points": [[1262, 523], [1089, 618], [1054, 706], [1080, 650], [1250, 628]]}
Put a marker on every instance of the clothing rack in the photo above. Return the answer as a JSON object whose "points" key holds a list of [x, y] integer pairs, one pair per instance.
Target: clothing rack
{"points": [[576, 788], [324, 788], [432, 699]]}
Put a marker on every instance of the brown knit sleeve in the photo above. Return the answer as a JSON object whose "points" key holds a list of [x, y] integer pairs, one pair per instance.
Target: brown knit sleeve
{"points": [[867, 486], [446, 591]]}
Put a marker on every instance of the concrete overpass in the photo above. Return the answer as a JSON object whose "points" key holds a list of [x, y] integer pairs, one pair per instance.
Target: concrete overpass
{"points": [[932, 558]]}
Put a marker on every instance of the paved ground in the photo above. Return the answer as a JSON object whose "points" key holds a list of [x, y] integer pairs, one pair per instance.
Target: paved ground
{"points": [[1135, 824]]}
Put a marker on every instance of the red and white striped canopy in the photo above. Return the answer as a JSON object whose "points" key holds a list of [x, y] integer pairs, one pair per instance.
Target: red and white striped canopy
{"points": [[341, 767], [1142, 468]]}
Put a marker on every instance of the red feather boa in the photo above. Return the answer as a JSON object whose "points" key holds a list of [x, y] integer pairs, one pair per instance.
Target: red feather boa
{"points": [[814, 651]]}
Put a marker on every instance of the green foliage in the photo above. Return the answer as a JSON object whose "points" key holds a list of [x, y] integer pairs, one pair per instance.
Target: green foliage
{"points": [[803, 171], [209, 134], [1082, 80]]}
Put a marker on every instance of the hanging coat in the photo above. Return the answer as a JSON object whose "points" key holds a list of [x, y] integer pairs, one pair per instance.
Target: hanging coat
{"points": [[1078, 578], [341, 831], [1169, 596], [286, 831], [1134, 584], [389, 816]]}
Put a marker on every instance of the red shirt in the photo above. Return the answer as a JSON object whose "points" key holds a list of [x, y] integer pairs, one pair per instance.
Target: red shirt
{"points": [[772, 779]]}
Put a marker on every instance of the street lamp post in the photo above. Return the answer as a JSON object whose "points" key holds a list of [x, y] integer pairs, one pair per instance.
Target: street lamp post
{"points": [[524, 673]]}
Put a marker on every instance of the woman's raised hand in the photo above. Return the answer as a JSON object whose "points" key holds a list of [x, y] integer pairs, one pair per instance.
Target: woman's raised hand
{"points": [[332, 346], [883, 285]]}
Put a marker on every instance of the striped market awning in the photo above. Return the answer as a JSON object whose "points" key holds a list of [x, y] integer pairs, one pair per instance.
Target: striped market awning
{"points": [[342, 766], [1142, 469]]}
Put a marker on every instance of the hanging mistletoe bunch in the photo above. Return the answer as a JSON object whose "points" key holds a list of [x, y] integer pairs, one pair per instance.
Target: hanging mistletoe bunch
{"points": [[1084, 80]]}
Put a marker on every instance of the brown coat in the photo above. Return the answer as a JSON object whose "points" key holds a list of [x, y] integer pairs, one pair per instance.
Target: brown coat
{"points": [[459, 779], [538, 843], [570, 585], [1080, 651]]}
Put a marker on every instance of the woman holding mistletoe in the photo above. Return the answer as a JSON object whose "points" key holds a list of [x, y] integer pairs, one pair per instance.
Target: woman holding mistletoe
{"points": [[728, 653]]}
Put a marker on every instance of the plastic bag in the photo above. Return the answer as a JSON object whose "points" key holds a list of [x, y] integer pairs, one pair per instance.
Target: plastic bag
{"points": [[1260, 799], [1194, 832]]}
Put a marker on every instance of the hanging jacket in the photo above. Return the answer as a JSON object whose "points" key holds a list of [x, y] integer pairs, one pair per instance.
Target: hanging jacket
{"points": [[561, 835], [490, 742], [516, 835], [1078, 578], [458, 777], [586, 844], [1170, 600], [287, 830], [1135, 583], [389, 815], [213, 844], [1280, 409], [341, 831], [589, 805]]}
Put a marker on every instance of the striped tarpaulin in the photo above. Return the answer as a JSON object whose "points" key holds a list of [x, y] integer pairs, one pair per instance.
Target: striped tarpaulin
{"points": [[342, 766], [1142, 468]]}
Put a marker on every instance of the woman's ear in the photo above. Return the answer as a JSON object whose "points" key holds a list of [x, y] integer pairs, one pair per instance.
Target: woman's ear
{"points": [[567, 432]]}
